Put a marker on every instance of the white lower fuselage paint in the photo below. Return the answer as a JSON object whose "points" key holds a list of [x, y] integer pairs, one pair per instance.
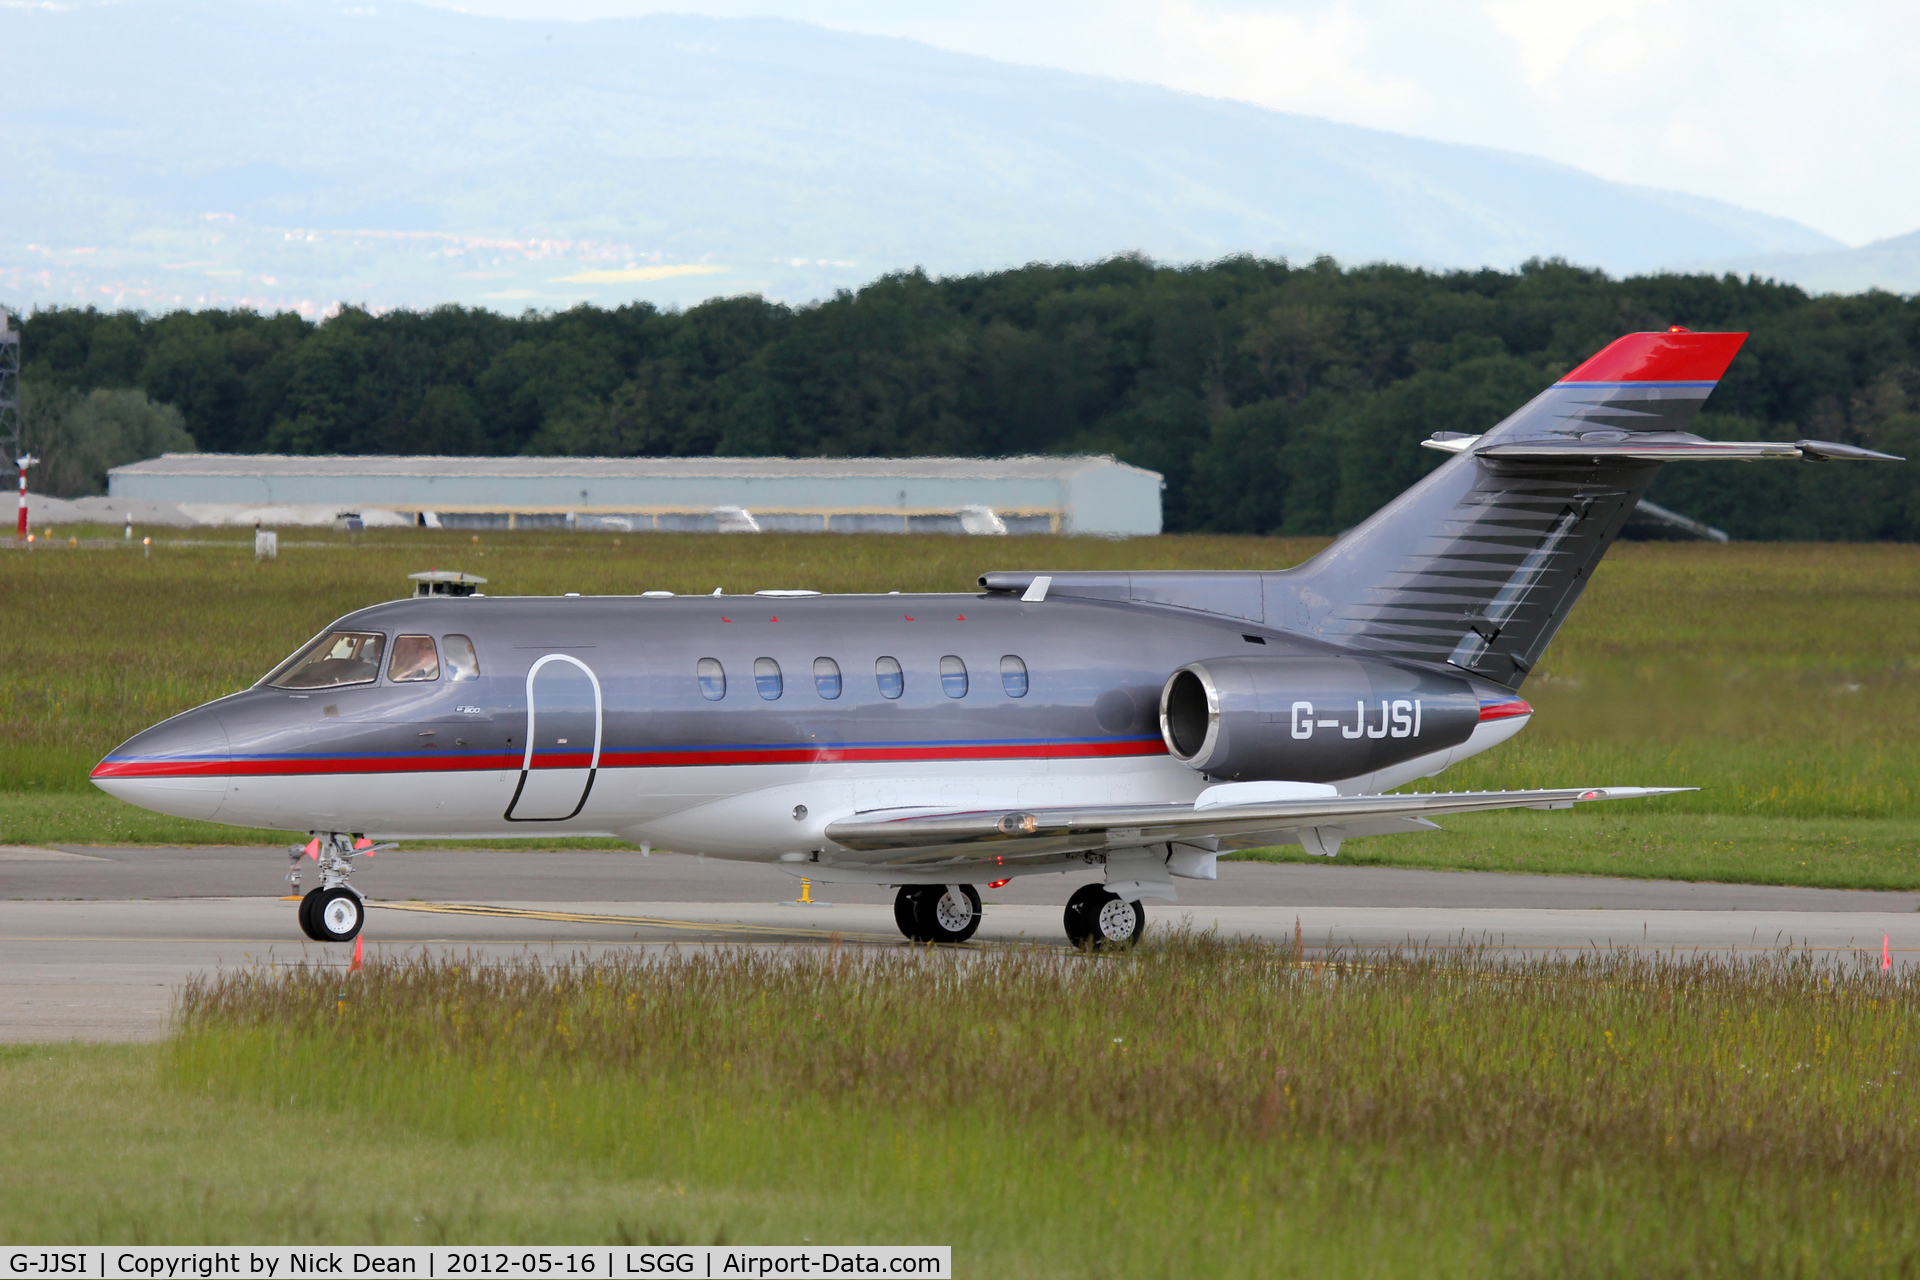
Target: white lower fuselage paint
{"points": [[740, 811]]}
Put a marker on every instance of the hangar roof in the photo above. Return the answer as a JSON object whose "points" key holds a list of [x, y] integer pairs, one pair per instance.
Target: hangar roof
{"points": [[234, 464]]}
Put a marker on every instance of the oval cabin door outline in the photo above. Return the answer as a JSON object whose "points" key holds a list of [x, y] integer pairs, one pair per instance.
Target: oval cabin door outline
{"points": [[564, 720]]}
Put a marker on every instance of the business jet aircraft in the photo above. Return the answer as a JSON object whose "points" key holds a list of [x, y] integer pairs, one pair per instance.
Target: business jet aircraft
{"points": [[1138, 722]]}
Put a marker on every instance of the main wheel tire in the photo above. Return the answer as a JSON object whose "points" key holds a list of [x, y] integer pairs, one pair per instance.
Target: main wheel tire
{"points": [[308, 903], [906, 911], [338, 915], [941, 917], [1097, 920]]}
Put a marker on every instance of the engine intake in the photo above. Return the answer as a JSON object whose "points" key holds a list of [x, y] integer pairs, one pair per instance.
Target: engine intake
{"points": [[1309, 719]]}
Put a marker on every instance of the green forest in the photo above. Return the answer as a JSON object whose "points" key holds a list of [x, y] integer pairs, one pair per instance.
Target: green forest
{"points": [[1275, 398]]}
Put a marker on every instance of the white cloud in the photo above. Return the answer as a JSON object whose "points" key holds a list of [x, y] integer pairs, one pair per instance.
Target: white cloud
{"points": [[1318, 63], [1546, 36]]}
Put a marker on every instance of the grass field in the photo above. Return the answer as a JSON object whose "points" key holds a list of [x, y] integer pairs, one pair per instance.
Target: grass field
{"points": [[1194, 1108], [1781, 679]]}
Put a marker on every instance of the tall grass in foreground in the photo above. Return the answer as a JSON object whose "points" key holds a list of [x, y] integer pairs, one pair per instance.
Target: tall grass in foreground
{"points": [[1193, 1108]]}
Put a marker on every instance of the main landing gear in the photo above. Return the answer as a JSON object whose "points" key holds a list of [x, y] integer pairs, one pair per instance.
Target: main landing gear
{"points": [[331, 912], [937, 912], [1099, 920]]}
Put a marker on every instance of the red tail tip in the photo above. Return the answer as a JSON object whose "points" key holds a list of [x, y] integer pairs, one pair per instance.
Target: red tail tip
{"points": [[1678, 355]]}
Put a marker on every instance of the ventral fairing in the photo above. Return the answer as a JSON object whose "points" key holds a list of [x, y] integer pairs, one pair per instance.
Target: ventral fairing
{"points": [[1143, 723]]}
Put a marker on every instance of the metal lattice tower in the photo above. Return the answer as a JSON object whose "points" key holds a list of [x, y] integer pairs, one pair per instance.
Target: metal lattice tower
{"points": [[9, 391]]}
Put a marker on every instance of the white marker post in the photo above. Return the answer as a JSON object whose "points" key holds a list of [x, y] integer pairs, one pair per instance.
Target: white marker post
{"points": [[25, 461]]}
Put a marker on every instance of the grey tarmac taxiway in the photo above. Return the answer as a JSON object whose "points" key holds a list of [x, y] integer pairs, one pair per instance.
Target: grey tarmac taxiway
{"points": [[94, 941]]}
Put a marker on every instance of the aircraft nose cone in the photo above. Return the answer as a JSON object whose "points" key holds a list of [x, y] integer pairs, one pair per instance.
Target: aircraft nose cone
{"points": [[179, 766]]}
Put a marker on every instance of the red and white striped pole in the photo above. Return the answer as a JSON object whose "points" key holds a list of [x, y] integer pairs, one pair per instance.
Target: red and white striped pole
{"points": [[25, 461]]}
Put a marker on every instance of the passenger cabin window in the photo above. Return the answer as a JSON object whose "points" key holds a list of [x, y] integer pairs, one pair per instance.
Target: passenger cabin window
{"points": [[457, 652], [340, 657], [953, 677], [1013, 676], [766, 678], [826, 677], [713, 679], [886, 673], [414, 658]]}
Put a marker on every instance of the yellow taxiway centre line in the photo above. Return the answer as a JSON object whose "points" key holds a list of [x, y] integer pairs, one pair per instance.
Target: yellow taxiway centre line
{"points": [[650, 922]]}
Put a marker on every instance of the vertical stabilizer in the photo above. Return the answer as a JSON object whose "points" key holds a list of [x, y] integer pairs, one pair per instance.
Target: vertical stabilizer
{"points": [[1477, 565]]}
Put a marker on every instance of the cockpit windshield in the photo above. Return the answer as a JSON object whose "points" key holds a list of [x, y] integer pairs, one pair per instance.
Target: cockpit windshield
{"points": [[337, 658]]}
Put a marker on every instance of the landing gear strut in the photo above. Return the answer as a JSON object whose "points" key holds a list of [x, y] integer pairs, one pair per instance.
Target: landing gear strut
{"points": [[1100, 920], [937, 912], [333, 912]]}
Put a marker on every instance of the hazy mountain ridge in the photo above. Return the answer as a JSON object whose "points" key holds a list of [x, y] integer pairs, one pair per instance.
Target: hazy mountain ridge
{"points": [[771, 155], [1892, 264]]}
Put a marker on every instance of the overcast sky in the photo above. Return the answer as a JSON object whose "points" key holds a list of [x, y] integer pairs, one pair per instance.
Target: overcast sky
{"points": [[1805, 108]]}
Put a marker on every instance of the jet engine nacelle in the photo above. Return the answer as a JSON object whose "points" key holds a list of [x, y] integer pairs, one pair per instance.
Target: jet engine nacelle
{"points": [[1309, 719]]}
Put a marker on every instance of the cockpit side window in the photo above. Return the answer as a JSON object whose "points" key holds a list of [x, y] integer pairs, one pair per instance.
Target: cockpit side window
{"points": [[337, 658], [414, 658], [462, 662]]}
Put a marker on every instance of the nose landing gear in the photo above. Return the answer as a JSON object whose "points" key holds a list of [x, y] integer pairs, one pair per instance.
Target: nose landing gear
{"points": [[333, 912], [332, 915]]}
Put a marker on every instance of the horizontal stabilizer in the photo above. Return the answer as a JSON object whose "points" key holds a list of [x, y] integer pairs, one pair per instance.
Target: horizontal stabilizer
{"points": [[1648, 446], [1033, 831]]}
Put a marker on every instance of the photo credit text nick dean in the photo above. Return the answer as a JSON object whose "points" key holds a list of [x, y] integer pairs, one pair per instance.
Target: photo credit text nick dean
{"points": [[439, 1262]]}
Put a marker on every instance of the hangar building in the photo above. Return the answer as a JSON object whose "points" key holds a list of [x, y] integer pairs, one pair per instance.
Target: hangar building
{"points": [[1077, 495]]}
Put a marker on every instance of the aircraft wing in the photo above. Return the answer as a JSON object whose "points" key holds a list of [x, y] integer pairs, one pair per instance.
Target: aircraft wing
{"points": [[1030, 832]]}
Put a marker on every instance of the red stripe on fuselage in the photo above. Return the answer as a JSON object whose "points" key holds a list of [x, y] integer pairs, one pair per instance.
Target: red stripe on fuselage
{"points": [[683, 758], [1504, 710], [281, 768]]}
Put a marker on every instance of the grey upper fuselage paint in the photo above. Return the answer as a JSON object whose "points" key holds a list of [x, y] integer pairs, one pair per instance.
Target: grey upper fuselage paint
{"points": [[1094, 674]]}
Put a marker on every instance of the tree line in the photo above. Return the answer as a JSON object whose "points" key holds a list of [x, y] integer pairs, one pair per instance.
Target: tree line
{"points": [[1275, 398]]}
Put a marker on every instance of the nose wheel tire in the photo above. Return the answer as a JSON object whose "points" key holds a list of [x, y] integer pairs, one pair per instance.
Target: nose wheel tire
{"points": [[1097, 920], [933, 913], [332, 915], [307, 903]]}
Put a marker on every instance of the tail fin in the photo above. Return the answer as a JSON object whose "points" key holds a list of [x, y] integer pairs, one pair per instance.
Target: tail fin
{"points": [[1476, 566], [1479, 563]]}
